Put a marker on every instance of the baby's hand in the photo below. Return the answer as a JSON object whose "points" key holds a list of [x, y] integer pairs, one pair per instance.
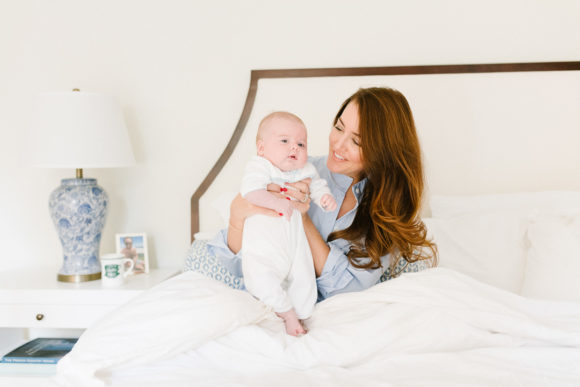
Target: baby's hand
{"points": [[284, 208], [328, 203]]}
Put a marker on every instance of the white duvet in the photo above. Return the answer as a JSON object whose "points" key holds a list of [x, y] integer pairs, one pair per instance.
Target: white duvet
{"points": [[433, 328]]}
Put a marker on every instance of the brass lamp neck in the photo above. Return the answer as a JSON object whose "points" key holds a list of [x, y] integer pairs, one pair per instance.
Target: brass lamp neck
{"points": [[79, 173]]}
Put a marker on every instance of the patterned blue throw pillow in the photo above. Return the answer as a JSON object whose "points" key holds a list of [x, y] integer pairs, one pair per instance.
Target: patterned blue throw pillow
{"points": [[200, 259], [403, 266]]}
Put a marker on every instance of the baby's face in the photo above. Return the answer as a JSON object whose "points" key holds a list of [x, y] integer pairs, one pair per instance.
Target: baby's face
{"points": [[283, 143]]}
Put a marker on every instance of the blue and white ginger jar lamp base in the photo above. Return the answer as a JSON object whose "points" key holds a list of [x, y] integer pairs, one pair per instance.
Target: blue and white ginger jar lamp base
{"points": [[78, 209]]}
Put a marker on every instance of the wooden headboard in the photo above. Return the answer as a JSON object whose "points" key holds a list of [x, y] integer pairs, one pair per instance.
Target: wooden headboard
{"points": [[484, 128]]}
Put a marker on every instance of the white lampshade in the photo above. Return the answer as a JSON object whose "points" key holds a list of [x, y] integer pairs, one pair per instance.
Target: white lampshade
{"points": [[78, 130]]}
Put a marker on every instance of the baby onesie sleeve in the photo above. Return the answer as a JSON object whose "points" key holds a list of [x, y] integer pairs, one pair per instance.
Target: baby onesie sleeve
{"points": [[257, 175], [318, 186]]}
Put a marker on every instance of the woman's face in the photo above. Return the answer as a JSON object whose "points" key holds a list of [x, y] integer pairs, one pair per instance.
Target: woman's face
{"points": [[344, 153]]}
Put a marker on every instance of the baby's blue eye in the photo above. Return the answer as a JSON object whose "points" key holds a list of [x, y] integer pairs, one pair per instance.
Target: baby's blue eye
{"points": [[301, 145], [284, 141]]}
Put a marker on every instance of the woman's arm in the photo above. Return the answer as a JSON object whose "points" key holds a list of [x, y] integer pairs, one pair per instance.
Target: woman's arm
{"points": [[235, 238], [318, 246]]}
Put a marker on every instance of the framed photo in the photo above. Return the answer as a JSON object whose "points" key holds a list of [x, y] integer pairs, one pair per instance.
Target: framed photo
{"points": [[134, 246]]}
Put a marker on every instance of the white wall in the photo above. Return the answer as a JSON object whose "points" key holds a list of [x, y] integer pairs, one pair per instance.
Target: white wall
{"points": [[181, 71]]}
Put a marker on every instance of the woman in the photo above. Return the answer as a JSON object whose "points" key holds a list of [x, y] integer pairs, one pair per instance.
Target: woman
{"points": [[375, 173]]}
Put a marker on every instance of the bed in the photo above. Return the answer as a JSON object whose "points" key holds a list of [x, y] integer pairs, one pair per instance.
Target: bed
{"points": [[503, 205]]}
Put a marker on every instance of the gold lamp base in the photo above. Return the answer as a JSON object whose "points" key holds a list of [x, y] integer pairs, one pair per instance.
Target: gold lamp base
{"points": [[78, 277]]}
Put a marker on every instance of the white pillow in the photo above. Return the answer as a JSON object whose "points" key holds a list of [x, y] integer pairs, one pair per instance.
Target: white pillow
{"points": [[222, 205], [553, 264], [558, 202], [488, 247]]}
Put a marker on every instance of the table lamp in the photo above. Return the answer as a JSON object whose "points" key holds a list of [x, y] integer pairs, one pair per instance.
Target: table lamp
{"points": [[79, 130]]}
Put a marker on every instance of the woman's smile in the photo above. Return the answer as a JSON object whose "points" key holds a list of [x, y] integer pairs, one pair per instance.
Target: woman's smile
{"points": [[338, 157], [344, 150]]}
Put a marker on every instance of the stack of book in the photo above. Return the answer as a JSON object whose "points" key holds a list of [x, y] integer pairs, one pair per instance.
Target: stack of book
{"points": [[36, 356]]}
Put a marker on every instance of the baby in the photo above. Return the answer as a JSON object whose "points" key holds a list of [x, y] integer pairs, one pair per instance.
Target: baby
{"points": [[282, 279]]}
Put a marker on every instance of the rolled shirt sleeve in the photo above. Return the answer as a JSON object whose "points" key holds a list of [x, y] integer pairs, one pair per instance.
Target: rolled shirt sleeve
{"points": [[220, 249], [339, 276], [335, 274]]}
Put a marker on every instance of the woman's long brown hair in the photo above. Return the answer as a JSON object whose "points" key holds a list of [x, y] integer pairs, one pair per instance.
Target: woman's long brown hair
{"points": [[387, 220]]}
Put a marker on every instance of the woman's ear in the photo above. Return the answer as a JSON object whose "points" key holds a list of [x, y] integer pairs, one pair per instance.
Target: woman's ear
{"points": [[260, 147]]}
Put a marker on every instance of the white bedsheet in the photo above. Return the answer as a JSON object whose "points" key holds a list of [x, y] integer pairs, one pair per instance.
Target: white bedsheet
{"points": [[433, 328]]}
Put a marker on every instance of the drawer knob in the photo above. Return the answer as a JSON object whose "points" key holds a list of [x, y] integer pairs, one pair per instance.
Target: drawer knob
{"points": [[39, 316]]}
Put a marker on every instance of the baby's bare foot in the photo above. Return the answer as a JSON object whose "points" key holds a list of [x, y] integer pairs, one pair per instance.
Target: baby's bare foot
{"points": [[292, 323]]}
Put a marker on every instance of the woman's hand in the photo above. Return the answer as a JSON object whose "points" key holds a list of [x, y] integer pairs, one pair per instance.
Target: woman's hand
{"points": [[300, 191]]}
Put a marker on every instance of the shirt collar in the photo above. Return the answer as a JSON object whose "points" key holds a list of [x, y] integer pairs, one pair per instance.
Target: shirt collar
{"points": [[343, 182], [359, 188]]}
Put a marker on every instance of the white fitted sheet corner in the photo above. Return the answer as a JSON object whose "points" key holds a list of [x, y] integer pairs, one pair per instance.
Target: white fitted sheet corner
{"points": [[432, 328]]}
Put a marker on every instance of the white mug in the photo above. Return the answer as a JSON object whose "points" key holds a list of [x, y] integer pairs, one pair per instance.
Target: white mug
{"points": [[113, 271]]}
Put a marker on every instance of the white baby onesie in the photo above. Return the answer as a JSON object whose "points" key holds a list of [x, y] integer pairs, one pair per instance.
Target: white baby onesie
{"points": [[276, 258]]}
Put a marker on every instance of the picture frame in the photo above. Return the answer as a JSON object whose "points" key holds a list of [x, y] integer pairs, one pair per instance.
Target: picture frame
{"points": [[134, 246]]}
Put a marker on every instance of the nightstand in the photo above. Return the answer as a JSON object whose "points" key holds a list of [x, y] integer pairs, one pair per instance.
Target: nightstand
{"points": [[34, 300]]}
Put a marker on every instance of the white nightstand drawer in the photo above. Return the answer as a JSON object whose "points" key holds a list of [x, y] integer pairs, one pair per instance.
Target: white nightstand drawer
{"points": [[51, 316], [26, 295]]}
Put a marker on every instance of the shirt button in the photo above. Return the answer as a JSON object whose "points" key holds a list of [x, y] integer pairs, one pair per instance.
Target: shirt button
{"points": [[356, 190]]}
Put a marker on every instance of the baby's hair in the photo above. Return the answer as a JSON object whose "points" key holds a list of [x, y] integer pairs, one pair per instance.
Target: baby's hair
{"points": [[266, 121]]}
